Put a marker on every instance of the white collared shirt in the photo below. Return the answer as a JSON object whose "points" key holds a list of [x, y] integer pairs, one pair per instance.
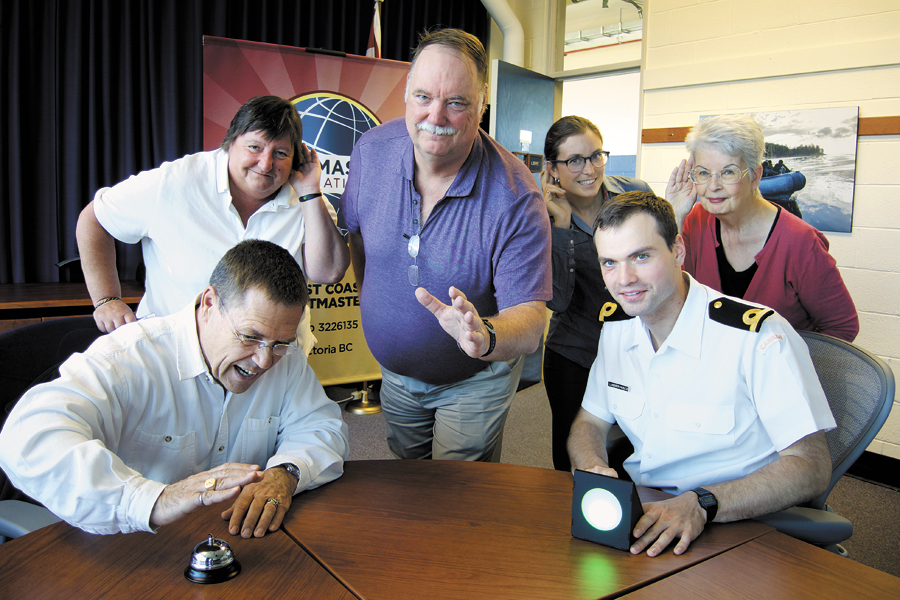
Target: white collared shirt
{"points": [[713, 404], [139, 409], [183, 216]]}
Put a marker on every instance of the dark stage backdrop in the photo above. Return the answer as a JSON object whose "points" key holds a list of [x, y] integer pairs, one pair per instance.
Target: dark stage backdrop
{"points": [[95, 91]]}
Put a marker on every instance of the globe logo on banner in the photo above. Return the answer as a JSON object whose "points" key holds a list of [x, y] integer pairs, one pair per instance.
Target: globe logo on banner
{"points": [[332, 124]]}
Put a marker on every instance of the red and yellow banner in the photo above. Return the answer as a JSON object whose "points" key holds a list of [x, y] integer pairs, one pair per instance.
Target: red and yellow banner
{"points": [[339, 98]]}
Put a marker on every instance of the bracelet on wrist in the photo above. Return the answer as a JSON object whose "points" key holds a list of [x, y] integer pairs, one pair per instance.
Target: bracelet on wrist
{"points": [[308, 197], [105, 300]]}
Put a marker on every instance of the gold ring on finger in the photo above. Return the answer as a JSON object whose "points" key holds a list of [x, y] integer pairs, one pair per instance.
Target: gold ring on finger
{"points": [[273, 501], [210, 484]]}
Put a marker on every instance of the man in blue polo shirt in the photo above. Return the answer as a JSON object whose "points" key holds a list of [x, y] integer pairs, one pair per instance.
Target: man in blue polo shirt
{"points": [[450, 244]]}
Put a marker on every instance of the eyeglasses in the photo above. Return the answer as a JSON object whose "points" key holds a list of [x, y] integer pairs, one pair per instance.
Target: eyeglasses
{"points": [[412, 247], [277, 349], [413, 271], [576, 163], [729, 175]]}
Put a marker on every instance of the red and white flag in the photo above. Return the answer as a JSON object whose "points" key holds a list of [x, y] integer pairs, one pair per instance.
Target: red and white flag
{"points": [[374, 48]]}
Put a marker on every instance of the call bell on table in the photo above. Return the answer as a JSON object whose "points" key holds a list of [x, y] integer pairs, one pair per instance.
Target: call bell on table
{"points": [[604, 510]]}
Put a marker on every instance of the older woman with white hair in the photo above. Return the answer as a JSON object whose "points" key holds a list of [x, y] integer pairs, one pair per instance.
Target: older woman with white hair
{"points": [[742, 244]]}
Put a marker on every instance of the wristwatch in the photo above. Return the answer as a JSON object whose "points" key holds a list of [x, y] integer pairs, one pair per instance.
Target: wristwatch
{"points": [[492, 334], [708, 502], [291, 468]]}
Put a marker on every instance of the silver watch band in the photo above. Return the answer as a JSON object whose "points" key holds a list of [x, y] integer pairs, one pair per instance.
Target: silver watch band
{"points": [[291, 468]]}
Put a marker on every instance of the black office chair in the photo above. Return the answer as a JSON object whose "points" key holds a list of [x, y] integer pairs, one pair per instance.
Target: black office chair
{"points": [[860, 390], [31, 354]]}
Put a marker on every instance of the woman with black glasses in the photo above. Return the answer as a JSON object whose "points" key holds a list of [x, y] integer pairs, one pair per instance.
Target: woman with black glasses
{"points": [[745, 246], [575, 187]]}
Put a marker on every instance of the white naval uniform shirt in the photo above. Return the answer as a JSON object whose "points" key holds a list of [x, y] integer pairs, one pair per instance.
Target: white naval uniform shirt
{"points": [[182, 213], [714, 403], [139, 409]]}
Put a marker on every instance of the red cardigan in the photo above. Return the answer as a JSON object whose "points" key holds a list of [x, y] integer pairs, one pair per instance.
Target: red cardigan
{"points": [[796, 274]]}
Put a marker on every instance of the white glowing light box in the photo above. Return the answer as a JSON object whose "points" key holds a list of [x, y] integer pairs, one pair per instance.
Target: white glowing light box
{"points": [[604, 510]]}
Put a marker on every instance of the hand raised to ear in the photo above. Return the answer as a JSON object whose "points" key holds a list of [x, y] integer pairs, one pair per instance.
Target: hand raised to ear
{"points": [[681, 192], [307, 179], [555, 201]]}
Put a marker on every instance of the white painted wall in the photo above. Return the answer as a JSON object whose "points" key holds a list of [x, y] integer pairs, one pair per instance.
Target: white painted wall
{"points": [[611, 103], [610, 53]]}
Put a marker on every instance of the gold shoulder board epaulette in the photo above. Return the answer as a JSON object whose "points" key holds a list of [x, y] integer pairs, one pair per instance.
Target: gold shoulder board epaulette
{"points": [[610, 311], [734, 313]]}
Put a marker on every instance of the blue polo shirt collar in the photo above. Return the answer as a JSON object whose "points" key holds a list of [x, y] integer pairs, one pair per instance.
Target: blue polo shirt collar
{"points": [[465, 180]]}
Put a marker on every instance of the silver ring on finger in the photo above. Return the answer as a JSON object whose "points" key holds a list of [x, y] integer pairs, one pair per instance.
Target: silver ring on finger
{"points": [[200, 499]]}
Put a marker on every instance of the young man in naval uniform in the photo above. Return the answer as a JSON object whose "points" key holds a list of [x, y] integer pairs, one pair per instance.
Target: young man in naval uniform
{"points": [[718, 396]]}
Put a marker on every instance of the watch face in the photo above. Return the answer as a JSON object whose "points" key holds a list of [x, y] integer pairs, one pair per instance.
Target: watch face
{"points": [[705, 497], [292, 469], [708, 502]]}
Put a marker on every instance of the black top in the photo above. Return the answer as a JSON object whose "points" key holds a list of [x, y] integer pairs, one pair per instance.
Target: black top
{"points": [[734, 283], [578, 288]]}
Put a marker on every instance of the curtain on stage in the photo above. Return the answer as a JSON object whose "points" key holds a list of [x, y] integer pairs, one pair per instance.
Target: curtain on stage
{"points": [[97, 90]]}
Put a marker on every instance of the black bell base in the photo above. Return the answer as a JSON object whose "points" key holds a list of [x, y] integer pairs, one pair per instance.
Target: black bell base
{"points": [[214, 576]]}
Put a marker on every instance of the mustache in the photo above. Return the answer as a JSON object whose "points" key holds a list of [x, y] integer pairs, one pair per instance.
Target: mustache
{"points": [[435, 129]]}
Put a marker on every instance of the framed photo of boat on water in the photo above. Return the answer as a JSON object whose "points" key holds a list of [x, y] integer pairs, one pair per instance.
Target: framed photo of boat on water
{"points": [[810, 163]]}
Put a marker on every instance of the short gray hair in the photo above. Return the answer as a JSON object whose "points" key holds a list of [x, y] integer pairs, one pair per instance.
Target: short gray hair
{"points": [[465, 43], [734, 135], [455, 39]]}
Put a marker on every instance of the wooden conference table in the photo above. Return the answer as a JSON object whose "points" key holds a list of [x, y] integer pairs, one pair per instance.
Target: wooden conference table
{"points": [[419, 529], [61, 562], [774, 567], [442, 529]]}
